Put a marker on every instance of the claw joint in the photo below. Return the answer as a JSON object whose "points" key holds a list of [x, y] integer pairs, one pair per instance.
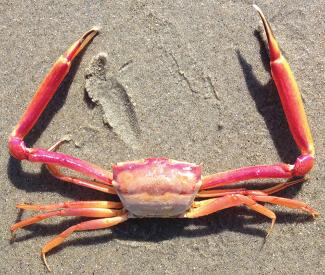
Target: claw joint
{"points": [[303, 165], [17, 148]]}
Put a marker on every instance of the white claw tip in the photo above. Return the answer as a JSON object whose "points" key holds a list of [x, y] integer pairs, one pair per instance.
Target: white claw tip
{"points": [[257, 8], [96, 28], [45, 262]]}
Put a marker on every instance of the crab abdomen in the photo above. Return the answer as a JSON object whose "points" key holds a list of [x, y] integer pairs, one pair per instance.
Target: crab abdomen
{"points": [[156, 187]]}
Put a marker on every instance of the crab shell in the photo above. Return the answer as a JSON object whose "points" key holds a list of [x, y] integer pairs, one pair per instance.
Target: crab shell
{"points": [[156, 187]]}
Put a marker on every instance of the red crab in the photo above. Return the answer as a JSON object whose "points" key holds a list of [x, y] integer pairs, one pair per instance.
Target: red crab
{"points": [[160, 187]]}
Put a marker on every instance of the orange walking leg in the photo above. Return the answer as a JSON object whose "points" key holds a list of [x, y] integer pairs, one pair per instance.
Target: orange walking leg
{"points": [[76, 212], [88, 225], [71, 204], [210, 206], [105, 187]]}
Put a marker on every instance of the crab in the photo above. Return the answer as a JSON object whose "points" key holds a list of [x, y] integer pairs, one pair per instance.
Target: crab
{"points": [[161, 187]]}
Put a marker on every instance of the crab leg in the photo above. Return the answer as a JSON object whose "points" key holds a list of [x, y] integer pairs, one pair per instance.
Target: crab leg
{"points": [[92, 209], [295, 204], [55, 171], [77, 212], [228, 201], [88, 225], [71, 204], [222, 193], [43, 95], [297, 120], [206, 207], [243, 191]]}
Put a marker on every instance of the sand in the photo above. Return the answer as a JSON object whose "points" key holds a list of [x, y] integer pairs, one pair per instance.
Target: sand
{"points": [[184, 79]]}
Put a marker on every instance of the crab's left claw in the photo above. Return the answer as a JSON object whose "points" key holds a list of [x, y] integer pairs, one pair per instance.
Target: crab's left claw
{"points": [[42, 97], [291, 102], [295, 113]]}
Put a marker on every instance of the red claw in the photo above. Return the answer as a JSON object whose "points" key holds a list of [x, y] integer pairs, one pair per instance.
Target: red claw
{"points": [[295, 113]]}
